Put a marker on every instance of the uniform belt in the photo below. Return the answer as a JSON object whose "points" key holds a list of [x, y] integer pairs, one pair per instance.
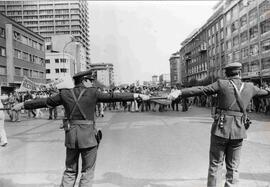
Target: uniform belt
{"points": [[81, 122], [230, 112]]}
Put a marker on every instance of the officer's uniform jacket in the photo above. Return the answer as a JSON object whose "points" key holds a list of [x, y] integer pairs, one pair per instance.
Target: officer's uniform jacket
{"points": [[233, 128], [79, 136]]}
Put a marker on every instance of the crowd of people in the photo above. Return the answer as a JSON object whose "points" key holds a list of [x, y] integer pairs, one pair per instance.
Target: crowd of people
{"points": [[258, 105]]}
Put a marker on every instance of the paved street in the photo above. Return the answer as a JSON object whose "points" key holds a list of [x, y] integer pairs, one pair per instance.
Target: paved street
{"points": [[153, 149]]}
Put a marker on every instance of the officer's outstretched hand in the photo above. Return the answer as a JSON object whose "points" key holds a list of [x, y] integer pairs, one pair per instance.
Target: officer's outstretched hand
{"points": [[18, 106], [174, 95], [142, 97]]}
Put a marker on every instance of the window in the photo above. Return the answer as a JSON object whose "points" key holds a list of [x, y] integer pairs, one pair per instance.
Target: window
{"points": [[30, 42], [222, 60], [24, 40], [244, 36], [228, 31], [56, 70], [221, 34], [17, 71], [234, 12], [213, 29], [48, 71], [245, 68], [229, 44], [266, 63], [228, 16], [222, 47], [265, 26], [265, 45], [229, 57], [254, 49], [2, 32], [3, 70], [25, 56], [236, 55], [63, 70], [17, 36], [235, 41], [253, 32], [234, 26], [47, 61], [63, 60], [41, 75], [35, 74], [254, 66], [35, 45], [40, 47], [252, 14], [2, 51], [244, 52], [264, 7], [221, 23], [56, 60], [25, 72], [243, 20]]}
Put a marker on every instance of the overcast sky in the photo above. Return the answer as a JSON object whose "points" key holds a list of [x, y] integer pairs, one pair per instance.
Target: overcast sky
{"points": [[139, 37]]}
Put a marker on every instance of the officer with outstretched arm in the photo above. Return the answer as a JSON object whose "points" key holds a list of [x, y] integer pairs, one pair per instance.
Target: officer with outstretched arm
{"points": [[230, 123], [81, 137]]}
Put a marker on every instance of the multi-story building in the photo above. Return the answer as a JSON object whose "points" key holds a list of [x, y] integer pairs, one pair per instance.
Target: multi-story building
{"points": [[203, 50], [165, 79], [104, 73], [238, 31], [21, 54], [59, 65], [248, 37], [52, 17], [175, 69], [154, 80], [65, 58]]}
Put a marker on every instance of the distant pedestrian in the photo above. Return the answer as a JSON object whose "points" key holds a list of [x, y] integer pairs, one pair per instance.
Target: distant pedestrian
{"points": [[3, 136]]}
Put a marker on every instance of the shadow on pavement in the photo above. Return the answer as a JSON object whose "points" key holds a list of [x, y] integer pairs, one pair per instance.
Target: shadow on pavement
{"points": [[122, 181]]}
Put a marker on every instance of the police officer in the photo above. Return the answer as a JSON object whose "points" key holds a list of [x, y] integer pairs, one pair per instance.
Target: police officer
{"points": [[80, 131], [228, 129]]}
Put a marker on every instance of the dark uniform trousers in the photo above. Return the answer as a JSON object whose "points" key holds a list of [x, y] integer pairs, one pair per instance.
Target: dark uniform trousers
{"points": [[226, 141], [88, 156], [80, 139]]}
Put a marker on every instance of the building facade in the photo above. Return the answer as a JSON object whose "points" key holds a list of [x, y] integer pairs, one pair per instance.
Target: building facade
{"points": [[154, 80], [238, 31], [59, 65], [22, 54], [165, 80], [52, 17], [65, 58], [104, 73], [175, 69]]}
